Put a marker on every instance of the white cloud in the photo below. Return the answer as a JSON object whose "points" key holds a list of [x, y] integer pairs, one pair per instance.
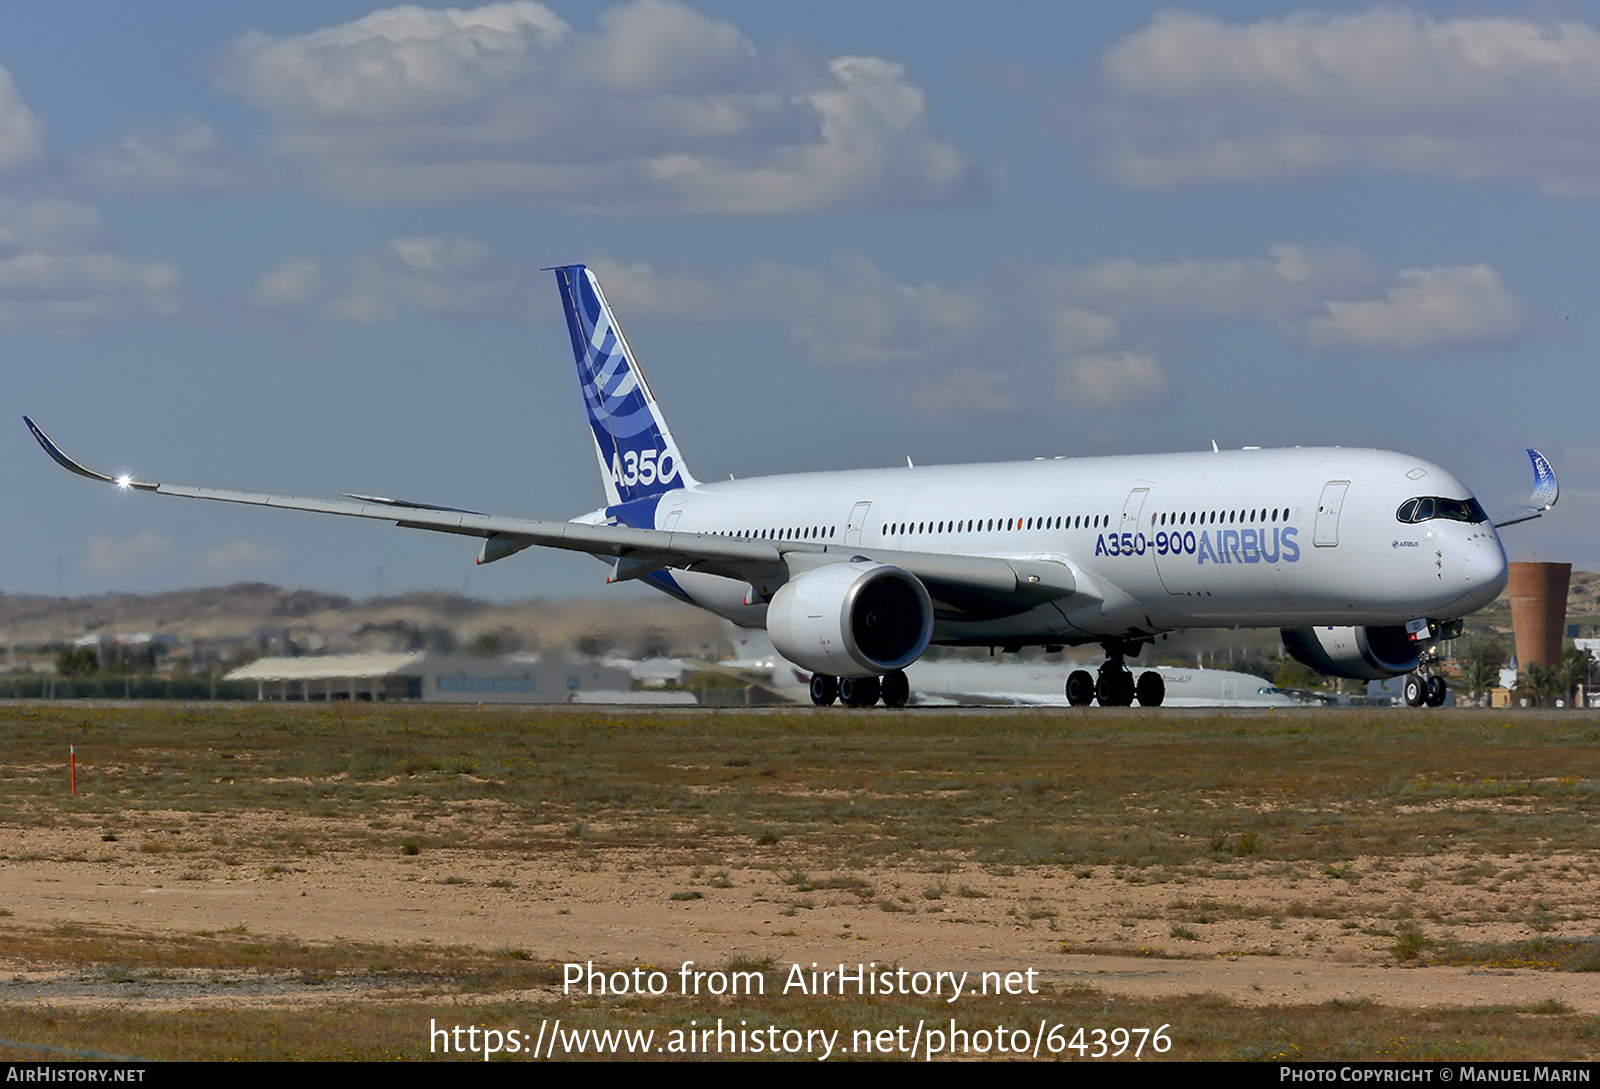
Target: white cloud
{"points": [[1277, 287], [394, 64], [1427, 308], [870, 150], [1190, 98], [659, 107], [1326, 298], [295, 281], [943, 341], [435, 275], [640, 288], [148, 552], [187, 154], [964, 392], [46, 224], [56, 271], [21, 133], [1111, 380], [854, 314], [436, 254], [145, 551], [430, 274], [650, 46], [1074, 329], [861, 316], [240, 557]]}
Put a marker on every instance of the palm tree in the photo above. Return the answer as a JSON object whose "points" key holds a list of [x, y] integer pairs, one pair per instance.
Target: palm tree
{"points": [[1537, 683], [1573, 670], [1480, 667]]}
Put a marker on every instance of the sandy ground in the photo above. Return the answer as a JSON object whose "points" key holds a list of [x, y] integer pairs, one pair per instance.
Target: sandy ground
{"points": [[1295, 935]]}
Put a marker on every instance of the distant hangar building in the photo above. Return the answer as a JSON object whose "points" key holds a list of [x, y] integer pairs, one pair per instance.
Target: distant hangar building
{"points": [[437, 678]]}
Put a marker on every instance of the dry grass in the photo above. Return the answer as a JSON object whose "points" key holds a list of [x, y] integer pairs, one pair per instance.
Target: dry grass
{"points": [[1199, 1027], [1064, 788], [824, 800]]}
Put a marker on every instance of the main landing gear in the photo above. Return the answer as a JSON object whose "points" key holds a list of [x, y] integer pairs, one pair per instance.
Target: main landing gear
{"points": [[892, 689], [1115, 686]]}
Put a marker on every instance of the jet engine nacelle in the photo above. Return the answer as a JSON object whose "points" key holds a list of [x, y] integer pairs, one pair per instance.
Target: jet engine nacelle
{"points": [[1366, 654], [856, 619]]}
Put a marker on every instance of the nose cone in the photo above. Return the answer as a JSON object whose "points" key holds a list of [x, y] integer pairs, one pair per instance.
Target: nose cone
{"points": [[1485, 570]]}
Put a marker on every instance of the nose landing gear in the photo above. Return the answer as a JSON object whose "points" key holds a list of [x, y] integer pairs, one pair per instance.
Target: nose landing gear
{"points": [[1425, 688]]}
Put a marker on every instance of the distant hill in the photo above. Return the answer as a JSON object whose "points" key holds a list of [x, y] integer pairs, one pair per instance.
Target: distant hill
{"points": [[255, 612], [262, 615]]}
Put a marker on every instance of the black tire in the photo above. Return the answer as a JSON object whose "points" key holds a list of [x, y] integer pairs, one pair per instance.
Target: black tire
{"points": [[824, 689], [1114, 688], [1151, 690], [1416, 690], [895, 689], [1437, 691], [1080, 688], [858, 691]]}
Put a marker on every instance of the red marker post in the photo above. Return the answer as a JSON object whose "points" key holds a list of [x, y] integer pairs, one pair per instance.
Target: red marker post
{"points": [[72, 757]]}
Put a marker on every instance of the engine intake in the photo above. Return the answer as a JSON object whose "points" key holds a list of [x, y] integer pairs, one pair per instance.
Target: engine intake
{"points": [[851, 619], [1365, 654]]}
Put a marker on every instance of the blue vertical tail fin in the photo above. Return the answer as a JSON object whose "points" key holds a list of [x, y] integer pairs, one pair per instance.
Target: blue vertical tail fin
{"points": [[638, 458]]}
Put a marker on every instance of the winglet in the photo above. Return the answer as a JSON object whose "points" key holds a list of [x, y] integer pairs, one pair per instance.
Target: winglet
{"points": [[72, 466], [1546, 491]]}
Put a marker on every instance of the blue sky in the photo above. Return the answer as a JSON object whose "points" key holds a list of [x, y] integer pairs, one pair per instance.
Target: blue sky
{"points": [[296, 247]]}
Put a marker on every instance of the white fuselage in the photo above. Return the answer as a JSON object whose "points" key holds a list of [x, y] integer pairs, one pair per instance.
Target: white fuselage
{"points": [[1262, 538]]}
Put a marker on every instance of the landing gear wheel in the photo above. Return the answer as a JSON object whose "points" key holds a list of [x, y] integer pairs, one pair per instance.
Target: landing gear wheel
{"points": [[1080, 688], [858, 691], [1416, 690], [1151, 690], [1115, 687], [824, 689], [1437, 691], [895, 689]]}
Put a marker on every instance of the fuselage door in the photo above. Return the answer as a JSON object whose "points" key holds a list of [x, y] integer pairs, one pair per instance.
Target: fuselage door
{"points": [[1132, 509], [1328, 507], [858, 520]]}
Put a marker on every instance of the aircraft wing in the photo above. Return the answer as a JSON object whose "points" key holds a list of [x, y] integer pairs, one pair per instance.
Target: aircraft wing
{"points": [[966, 583], [1546, 491]]}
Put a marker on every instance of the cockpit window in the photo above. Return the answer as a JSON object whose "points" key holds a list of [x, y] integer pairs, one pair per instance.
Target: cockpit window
{"points": [[1427, 507]]}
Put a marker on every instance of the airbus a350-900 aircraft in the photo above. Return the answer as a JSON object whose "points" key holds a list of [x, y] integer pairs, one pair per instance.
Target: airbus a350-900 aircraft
{"points": [[1362, 557]]}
